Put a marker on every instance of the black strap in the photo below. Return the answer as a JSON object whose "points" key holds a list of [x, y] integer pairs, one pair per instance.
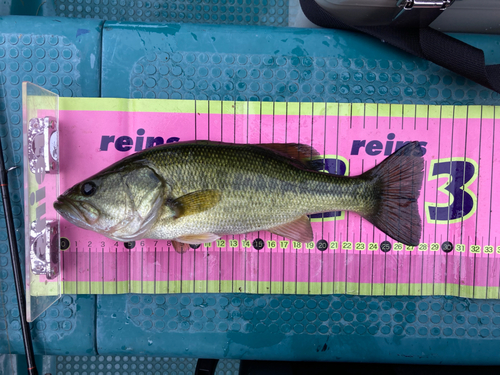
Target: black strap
{"points": [[424, 42], [206, 366]]}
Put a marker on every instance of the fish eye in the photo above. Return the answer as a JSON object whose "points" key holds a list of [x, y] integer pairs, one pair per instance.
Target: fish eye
{"points": [[89, 188]]}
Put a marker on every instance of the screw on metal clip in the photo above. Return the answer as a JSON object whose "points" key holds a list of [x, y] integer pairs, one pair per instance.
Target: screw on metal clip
{"points": [[419, 4]]}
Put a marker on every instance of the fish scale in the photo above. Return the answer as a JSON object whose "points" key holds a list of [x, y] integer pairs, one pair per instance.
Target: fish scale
{"points": [[260, 189]]}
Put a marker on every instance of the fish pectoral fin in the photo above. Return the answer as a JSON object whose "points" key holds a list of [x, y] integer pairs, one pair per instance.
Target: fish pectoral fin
{"points": [[181, 244], [196, 239], [298, 230], [194, 203]]}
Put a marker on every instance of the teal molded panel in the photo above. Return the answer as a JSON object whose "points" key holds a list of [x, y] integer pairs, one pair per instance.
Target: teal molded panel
{"points": [[429, 330], [254, 12], [64, 56], [136, 364], [261, 63], [67, 327], [282, 64], [230, 12]]}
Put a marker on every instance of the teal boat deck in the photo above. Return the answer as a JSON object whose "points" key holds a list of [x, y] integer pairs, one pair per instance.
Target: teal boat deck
{"points": [[240, 56]]}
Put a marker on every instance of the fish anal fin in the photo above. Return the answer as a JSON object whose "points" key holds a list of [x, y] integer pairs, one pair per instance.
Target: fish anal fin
{"points": [[195, 239], [194, 203], [298, 230]]}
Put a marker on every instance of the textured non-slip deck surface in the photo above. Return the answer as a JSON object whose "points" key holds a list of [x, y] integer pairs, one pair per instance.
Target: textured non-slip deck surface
{"points": [[195, 62]]}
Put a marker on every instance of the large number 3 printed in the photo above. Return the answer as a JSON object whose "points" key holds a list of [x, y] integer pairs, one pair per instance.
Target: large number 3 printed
{"points": [[462, 202]]}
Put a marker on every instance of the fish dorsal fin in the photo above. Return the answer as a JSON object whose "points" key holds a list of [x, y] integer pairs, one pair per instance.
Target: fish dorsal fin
{"points": [[306, 154], [298, 230], [194, 203]]}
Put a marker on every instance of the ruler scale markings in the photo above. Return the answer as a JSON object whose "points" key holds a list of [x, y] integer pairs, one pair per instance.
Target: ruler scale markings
{"points": [[102, 270], [90, 270], [258, 270], [116, 271], [247, 260], [279, 264], [154, 276], [467, 283], [265, 254], [214, 253], [414, 254], [358, 111], [142, 270], [309, 258], [448, 235], [194, 250], [404, 287], [360, 235], [162, 270], [149, 268], [452, 264], [391, 260], [106, 265], [335, 253], [469, 258], [448, 126], [193, 275], [480, 259], [400, 254], [169, 288], [385, 273], [226, 259], [303, 137], [348, 219], [328, 224], [496, 269], [271, 264], [426, 245], [71, 273], [383, 122], [239, 253], [495, 274], [421, 251], [345, 223], [314, 118], [462, 256], [76, 269], [251, 255], [439, 155], [323, 270], [426, 258], [378, 257], [490, 292], [495, 199]]}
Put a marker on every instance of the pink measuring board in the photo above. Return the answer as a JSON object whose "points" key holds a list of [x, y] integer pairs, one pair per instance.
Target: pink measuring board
{"points": [[459, 253]]}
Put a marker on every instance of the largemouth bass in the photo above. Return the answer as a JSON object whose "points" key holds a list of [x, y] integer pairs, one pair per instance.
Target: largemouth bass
{"points": [[196, 192]]}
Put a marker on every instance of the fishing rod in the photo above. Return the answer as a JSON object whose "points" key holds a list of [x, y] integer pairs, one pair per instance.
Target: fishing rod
{"points": [[16, 267]]}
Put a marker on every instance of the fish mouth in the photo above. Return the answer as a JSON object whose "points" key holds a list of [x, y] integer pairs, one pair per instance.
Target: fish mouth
{"points": [[71, 212]]}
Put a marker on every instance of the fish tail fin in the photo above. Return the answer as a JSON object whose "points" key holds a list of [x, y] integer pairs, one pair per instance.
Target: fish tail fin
{"points": [[397, 182]]}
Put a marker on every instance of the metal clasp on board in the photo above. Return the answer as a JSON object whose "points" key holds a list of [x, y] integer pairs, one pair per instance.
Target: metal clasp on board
{"points": [[43, 152], [44, 250]]}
